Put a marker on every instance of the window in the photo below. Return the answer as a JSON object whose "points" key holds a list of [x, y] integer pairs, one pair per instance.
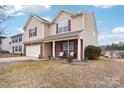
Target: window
{"points": [[12, 40], [16, 48], [33, 32], [20, 48], [20, 38], [68, 47], [16, 39], [63, 26]]}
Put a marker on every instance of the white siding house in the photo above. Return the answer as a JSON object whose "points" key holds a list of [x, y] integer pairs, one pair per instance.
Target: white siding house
{"points": [[6, 44], [13, 44]]}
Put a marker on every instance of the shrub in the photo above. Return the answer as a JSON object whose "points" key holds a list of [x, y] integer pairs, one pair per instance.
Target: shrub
{"points": [[92, 52], [69, 59]]}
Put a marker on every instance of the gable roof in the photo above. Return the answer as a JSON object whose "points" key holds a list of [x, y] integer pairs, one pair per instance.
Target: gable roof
{"points": [[1, 37], [20, 34], [59, 12], [54, 18], [41, 19], [37, 17]]}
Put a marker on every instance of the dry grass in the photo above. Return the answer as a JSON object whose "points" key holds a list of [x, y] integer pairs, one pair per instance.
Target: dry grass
{"points": [[98, 73]]}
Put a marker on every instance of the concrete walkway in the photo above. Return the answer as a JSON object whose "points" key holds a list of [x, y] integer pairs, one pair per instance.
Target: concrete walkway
{"points": [[12, 59]]}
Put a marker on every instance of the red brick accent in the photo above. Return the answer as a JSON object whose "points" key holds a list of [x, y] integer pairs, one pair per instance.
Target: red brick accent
{"points": [[59, 47], [75, 48]]}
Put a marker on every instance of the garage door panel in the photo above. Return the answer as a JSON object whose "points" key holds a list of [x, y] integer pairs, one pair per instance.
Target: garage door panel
{"points": [[33, 51]]}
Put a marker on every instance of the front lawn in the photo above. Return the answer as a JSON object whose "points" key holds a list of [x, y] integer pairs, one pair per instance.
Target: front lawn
{"points": [[31, 73]]}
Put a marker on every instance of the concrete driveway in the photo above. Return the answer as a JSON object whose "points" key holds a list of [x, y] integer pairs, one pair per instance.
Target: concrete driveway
{"points": [[12, 59]]}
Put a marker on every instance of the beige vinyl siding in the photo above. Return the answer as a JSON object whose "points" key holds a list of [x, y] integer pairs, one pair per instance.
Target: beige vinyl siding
{"points": [[52, 29], [89, 35], [63, 16], [40, 29], [47, 50], [77, 23], [46, 30]]}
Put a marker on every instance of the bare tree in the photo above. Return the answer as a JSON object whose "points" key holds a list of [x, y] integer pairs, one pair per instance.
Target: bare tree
{"points": [[3, 19]]}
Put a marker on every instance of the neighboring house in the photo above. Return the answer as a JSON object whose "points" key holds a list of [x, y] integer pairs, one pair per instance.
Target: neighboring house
{"points": [[1, 37], [115, 54], [13, 44], [17, 44], [66, 33], [6, 44]]}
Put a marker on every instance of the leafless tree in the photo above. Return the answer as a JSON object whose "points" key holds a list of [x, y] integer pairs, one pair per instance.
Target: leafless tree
{"points": [[3, 19]]}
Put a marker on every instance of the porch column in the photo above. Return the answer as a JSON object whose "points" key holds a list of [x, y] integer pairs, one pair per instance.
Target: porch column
{"points": [[53, 49], [79, 49]]}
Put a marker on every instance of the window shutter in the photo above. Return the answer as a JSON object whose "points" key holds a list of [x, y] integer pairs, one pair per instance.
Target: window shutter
{"points": [[56, 28], [69, 25], [35, 31]]}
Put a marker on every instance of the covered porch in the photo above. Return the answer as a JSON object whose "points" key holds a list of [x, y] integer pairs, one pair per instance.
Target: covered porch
{"points": [[73, 43]]}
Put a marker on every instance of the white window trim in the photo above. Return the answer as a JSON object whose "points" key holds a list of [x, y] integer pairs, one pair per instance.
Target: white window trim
{"points": [[31, 31], [68, 45], [66, 25]]}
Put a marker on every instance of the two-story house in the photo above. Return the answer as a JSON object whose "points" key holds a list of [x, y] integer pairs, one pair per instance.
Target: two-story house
{"points": [[13, 44], [17, 44], [67, 32]]}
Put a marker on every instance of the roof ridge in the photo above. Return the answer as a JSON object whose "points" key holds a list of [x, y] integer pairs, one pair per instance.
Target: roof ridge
{"points": [[40, 17]]}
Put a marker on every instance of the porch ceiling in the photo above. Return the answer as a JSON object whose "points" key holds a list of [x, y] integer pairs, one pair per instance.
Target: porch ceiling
{"points": [[63, 36]]}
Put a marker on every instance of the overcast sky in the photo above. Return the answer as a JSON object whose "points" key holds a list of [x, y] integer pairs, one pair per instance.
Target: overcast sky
{"points": [[109, 19]]}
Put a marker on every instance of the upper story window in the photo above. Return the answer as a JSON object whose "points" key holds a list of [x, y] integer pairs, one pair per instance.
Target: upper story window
{"points": [[33, 32], [20, 38], [63, 26], [17, 39], [12, 40]]}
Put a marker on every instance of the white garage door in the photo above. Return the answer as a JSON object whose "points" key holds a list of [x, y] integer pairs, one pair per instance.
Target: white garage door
{"points": [[33, 51]]}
